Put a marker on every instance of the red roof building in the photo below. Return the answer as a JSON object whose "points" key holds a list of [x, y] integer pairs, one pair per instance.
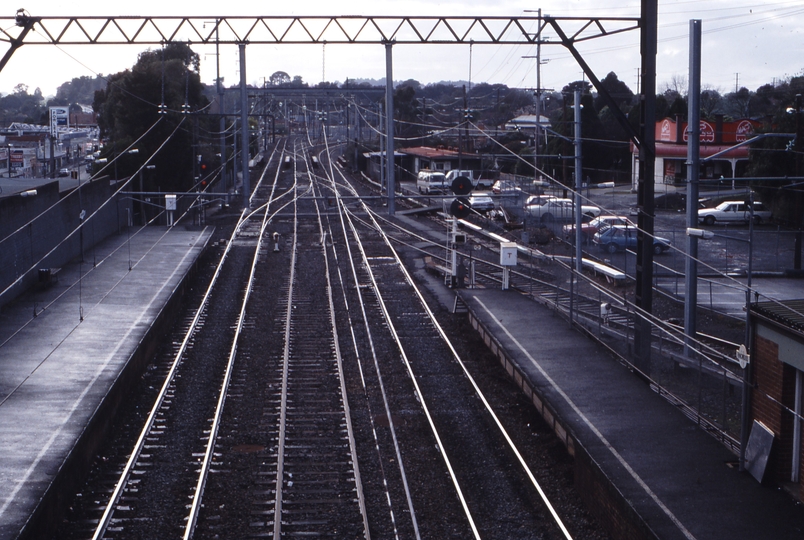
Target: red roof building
{"points": [[717, 138]]}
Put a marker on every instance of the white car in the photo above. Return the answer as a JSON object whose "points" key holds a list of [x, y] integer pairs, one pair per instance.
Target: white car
{"points": [[481, 202], [733, 212], [597, 225], [551, 208]]}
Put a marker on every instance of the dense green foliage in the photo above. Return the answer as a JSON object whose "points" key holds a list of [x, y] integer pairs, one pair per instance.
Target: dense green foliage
{"points": [[129, 107], [20, 106]]}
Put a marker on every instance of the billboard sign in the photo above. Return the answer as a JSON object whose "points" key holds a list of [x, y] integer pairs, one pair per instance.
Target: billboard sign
{"points": [[17, 159], [59, 117]]}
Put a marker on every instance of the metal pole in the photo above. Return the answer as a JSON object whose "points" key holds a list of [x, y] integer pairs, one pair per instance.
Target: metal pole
{"points": [[643, 297], [537, 132], [745, 416], [693, 171], [578, 183], [244, 139], [221, 109], [389, 124]]}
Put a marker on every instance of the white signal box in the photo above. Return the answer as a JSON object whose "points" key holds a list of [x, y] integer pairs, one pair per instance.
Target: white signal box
{"points": [[508, 253]]}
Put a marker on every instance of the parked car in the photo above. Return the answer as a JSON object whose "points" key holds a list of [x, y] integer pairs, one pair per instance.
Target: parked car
{"points": [[621, 237], [431, 181], [481, 202], [551, 208], [596, 225], [504, 186], [733, 212], [63, 173]]}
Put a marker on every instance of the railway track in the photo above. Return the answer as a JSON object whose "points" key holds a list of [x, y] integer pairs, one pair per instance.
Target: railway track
{"points": [[328, 400]]}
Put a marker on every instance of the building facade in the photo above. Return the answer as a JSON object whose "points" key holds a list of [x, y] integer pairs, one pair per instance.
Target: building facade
{"points": [[777, 386], [721, 153]]}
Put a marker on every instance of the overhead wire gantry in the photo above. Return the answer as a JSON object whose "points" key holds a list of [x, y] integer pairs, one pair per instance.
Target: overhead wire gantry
{"points": [[25, 29]]}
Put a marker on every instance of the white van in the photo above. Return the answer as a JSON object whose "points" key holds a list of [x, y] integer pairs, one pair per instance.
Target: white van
{"points": [[431, 181]]}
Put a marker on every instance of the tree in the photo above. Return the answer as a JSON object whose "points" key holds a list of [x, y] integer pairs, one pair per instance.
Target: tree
{"points": [[79, 90], [20, 106], [406, 112], [738, 104], [128, 107], [279, 78], [618, 90], [710, 102], [678, 108]]}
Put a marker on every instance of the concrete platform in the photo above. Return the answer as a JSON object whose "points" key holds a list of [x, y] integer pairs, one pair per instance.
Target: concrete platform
{"points": [[66, 348], [638, 459]]}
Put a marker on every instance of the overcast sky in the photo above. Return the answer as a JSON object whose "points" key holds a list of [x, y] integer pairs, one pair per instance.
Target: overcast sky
{"points": [[745, 43]]}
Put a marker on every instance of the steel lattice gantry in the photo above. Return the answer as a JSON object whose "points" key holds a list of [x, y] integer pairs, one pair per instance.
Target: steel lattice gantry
{"points": [[352, 29], [24, 29]]}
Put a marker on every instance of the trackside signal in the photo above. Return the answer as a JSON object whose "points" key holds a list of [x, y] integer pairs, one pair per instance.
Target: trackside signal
{"points": [[461, 186], [460, 206]]}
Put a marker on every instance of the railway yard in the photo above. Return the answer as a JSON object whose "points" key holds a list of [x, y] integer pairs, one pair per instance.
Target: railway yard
{"points": [[354, 407], [319, 378]]}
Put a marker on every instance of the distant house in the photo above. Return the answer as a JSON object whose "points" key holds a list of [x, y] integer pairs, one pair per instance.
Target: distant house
{"points": [[777, 387], [527, 124], [717, 138]]}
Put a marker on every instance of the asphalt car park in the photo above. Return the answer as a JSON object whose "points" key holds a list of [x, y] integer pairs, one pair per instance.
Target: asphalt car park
{"points": [[726, 252]]}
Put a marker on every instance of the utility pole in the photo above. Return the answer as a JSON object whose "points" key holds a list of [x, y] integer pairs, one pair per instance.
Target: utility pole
{"points": [[244, 138], [643, 297], [537, 131], [798, 148], [389, 124], [578, 183], [693, 171], [538, 96]]}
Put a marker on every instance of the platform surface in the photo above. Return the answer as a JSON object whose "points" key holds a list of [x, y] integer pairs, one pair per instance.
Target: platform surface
{"points": [[674, 475], [56, 367]]}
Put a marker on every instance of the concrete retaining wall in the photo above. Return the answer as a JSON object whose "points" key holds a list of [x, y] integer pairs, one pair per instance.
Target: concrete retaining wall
{"points": [[45, 231]]}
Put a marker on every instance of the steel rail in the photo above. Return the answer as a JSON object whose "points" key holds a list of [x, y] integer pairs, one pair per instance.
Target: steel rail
{"points": [[206, 462], [138, 446], [344, 396], [161, 396], [478, 392], [370, 337], [286, 368], [414, 381], [283, 402]]}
